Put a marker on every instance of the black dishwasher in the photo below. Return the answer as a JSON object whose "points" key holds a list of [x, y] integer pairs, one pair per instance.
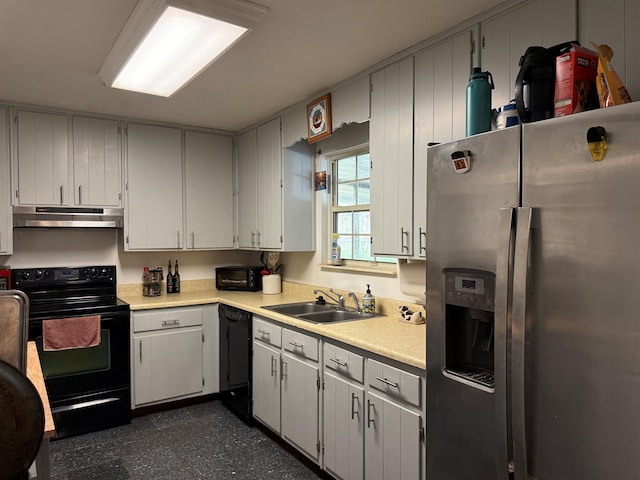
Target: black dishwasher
{"points": [[235, 361]]}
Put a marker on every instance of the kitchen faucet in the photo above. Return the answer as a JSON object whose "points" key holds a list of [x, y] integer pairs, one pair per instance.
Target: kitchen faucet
{"points": [[339, 300], [355, 300]]}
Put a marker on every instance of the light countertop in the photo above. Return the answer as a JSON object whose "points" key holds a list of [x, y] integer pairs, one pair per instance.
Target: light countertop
{"points": [[383, 335]]}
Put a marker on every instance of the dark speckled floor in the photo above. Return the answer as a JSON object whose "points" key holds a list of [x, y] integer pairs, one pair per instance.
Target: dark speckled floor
{"points": [[199, 441]]}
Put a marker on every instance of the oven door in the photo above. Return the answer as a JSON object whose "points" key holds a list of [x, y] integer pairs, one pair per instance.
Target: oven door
{"points": [[89, 388]]}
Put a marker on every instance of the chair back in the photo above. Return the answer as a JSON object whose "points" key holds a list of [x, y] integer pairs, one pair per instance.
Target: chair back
{"points": [[14, 328]]}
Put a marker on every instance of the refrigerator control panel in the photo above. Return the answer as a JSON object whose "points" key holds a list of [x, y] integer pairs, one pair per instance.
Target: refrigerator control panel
{"points": [[469, 288]]}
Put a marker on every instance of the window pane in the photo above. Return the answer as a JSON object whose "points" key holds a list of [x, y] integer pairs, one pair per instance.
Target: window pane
{"points": [[362, 248], [347, 169], [363, 165], [346, 246], [343, 223], [361, 223], [364, 193], [346, 194]]}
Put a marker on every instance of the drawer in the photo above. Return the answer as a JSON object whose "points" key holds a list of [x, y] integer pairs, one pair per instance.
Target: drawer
{"points": [[394, 382], [267, 332], [300, 344], [344, 362], [166, 318]]}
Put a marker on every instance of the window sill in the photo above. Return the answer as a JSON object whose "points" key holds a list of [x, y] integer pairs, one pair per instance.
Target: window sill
{"points": [[390, 271]]}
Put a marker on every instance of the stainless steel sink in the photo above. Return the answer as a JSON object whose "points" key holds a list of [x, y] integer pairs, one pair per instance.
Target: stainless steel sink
{"points": [[312, 312]]}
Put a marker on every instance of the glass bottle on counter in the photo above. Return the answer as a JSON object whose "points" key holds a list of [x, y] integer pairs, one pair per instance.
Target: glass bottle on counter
{"points": [[176, 279], [169, 279]]}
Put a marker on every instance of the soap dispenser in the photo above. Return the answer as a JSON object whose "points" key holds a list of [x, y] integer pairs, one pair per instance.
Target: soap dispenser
{"points": [[368, 302]]}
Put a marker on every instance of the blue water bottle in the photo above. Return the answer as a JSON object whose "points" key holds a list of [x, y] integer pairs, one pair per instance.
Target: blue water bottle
{"points": [[479, 102]]}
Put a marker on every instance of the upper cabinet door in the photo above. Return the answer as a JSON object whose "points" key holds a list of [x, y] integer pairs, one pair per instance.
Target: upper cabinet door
{"points": [[391, 150], [42, 159], [507, 36], [154, 188], [614, 23], [6, 225], [269, 186], [247, 197], [96, 162], [209, 190]]}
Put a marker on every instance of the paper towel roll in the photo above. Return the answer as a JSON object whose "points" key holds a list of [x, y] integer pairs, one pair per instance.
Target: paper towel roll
{"points": [[413, 279], [271, 284]]}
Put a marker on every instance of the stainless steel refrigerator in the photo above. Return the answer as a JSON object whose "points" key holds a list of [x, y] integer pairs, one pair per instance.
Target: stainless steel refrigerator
{"points": [[533, 301]]}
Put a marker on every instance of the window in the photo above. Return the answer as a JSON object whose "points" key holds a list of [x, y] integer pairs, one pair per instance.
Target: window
{"points": [[349, 210]]}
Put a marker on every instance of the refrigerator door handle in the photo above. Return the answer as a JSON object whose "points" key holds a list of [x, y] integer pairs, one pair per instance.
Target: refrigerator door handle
{"points": [[506, 233], [520, 275]]}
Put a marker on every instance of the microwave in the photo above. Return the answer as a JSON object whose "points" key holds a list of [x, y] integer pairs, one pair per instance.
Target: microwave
{"points": [[246, 279]]}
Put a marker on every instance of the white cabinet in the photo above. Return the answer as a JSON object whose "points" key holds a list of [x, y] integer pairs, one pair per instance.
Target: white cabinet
{"points": [[96, 162], [394, 435], [174, 353], [6, 225], [441, 76], [392, 441], [391, 151], [286, 384], [209, 191], [614, 23], [274, 192], [63, 160], [506, 37], [42, 159], [343, 414], [153, 219]]}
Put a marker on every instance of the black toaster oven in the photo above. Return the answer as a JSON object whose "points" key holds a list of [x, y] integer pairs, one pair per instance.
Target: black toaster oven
{"points": [[242, 278]]}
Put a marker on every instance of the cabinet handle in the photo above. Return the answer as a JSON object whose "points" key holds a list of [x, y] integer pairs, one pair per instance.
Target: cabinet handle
{"points": [[80, 194], [178, 237], [353, 410], [258, 239], [338, 362], [170, 323], [61, 195], [140, 343], [264, 333], [404, 233], [369, 419], [283, 369], [193, 239], [274, 366], [253, 239], [423, 235], [296, 345], [391, 384]]}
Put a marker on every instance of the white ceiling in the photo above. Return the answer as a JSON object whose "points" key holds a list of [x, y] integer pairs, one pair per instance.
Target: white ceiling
{"points": [[51, 51]]}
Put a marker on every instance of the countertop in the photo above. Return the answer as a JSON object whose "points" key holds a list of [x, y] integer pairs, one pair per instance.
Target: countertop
{"points": [[383, 335], [34, 373]]}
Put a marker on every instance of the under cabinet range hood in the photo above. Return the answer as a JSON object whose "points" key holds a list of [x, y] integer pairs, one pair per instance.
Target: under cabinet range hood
{"points": [[67, 217]]}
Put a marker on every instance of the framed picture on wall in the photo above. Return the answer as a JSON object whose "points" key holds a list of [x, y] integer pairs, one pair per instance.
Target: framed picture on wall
{"points": [[319, 118]]}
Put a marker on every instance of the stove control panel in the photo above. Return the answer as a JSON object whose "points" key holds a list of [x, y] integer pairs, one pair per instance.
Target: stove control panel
{"points": [[62, 275]]}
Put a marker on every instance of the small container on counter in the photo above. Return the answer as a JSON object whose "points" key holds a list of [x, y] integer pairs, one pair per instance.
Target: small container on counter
{"points": [[152, 281]]}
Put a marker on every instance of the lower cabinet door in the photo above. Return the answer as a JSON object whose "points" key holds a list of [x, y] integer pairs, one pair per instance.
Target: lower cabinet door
{"points": [[392, 441], [167, 364], [343, 428], [300, 402], [266, 385]]}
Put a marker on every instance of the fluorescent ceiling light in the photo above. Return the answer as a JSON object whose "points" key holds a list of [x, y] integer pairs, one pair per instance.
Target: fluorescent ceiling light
{"points": [[166, 43]]}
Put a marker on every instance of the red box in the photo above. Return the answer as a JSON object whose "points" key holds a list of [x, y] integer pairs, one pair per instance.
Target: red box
{"points": [[5, 279], [575, 81]]}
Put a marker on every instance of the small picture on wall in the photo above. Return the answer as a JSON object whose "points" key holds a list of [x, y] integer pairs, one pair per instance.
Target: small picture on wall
{"points": [[319, 118], [321, 180]]}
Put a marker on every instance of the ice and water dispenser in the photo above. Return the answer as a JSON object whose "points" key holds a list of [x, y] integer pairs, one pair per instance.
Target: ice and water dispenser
{"points": [[469, 325]]}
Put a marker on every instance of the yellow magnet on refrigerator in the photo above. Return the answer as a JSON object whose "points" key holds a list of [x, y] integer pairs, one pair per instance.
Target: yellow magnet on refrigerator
{"points": [[597, 140]]}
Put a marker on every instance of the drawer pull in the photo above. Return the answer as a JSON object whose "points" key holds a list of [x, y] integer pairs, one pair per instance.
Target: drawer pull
{"points": [[264, 333], [170, 323], [338, 362], [296, 345], [354, 397], [391, 384]]}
